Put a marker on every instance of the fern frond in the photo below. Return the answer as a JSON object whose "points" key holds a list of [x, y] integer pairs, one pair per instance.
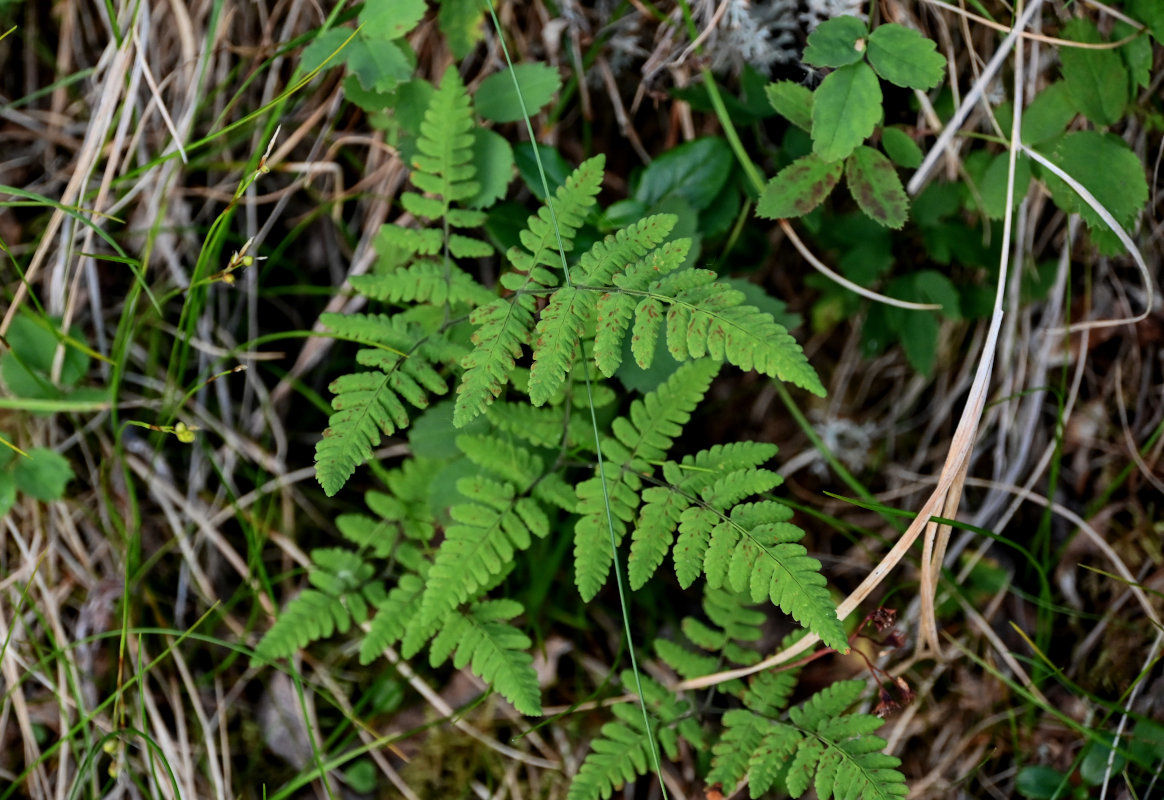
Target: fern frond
{"points": [[621, 753], [480, 545], [571, 203], [640, 441], [706, 318], [623, 750], [504, 325], [406, 502], [368, 405], [423, 282], [664, 505], [571, 309], [443, 165], [835, 753], [392, 617], [493, 650], [342, 594]]}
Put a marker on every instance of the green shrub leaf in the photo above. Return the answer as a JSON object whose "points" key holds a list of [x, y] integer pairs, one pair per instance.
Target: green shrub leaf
{"points": [[390, 19], [1048, 114], [906, 58], [836, 43], [845, 109], [1107, 168], [1097, 81], [43, 475], [497, 97], [901, 147], [874, 184], [799, 188], [694, 172], [793, 102]]}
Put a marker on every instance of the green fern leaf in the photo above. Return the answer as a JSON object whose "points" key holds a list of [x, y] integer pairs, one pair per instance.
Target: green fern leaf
{"points": [[572, 308], [504, 326], [478, 546], [620, 754], [443, 165], [705, 318], [821, 746], [742, 736], [640, 441], [311, 616], [341, 594], [616, 307], [502, 457], [392, 617], [571, 203], [367, 405], [423, 282], [493, 650]]}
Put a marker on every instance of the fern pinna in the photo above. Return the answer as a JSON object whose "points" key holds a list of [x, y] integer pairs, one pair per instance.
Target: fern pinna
{"points": [[518, 466], [764, 744]]}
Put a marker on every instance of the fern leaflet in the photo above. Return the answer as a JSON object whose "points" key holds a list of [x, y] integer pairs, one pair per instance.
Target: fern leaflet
{"points": [[571, 309], [504, 325], [640, 440], [623, 751], [497, 522], [492, 649], [369, 404], [342, 593], [821, 747]]}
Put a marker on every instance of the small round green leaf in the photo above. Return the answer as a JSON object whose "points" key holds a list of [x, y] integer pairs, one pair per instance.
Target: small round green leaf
{"points": [[799, 188], [836, 42], [1041, 783], [845, 109], [497, 97], [906, 58], [43, 475], [874, 184], [901, 147]]}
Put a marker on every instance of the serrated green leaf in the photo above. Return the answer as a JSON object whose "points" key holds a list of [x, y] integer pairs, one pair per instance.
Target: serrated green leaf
{"points": [[904, 57], [1048, 114], [1137, 54], [845, 109], [792, 101], [497, 97], [390, 19], [901, 147], [874, 184], [1107, 168], [1096, 79], [836, 42], [799, 188], [1149, 12]]}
